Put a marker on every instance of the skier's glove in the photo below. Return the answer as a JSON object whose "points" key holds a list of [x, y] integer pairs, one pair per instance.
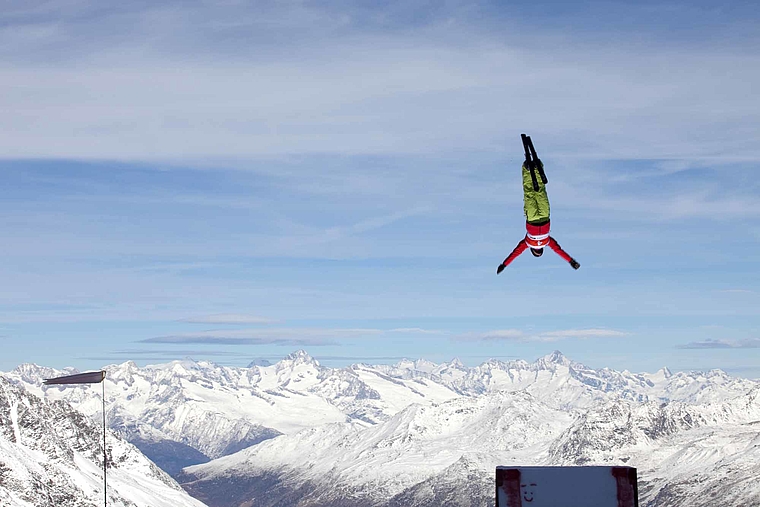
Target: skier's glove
{"points": [[500, 268], [574, 264]]}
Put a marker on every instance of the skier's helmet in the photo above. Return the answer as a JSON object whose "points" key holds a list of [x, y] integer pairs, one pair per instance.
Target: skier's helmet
{"points": [[537, 252]]}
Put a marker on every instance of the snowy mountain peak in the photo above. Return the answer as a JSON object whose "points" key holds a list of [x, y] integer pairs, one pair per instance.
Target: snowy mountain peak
{"points": [[125, 367], [300, 357], [259, 362], [405, 364], [33, 374], [424, 365], [184, 367], [125, 372], [417, 366], [456, 363], [555, 358]]}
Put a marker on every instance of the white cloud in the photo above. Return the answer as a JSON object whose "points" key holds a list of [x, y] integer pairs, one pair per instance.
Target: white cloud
{"points": [[229, 318], [279, 336], [750, 343], [495, 335], [710, 201], [169, 85], [585, 333], [547, 336], [414, 330]]}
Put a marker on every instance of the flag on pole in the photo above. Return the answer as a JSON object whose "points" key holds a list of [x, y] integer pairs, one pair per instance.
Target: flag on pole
{"points": [[90, 377]]}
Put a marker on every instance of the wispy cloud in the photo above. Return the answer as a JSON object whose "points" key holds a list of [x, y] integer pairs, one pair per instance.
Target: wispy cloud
{"points": [[362, 83], [228, 318], [217, 339], [496, 335], [307, 238], [414, 330], [707, 203], [750, 343], [372, 223], [174, 353], [585, 333], [160, 355], [547, 336], [282, 336]]}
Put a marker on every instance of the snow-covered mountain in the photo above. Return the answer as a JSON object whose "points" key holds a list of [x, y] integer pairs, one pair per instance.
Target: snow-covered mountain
{"points": [[218, 410], [51, 454], [384, 460], [445, 454], [418, 433]]}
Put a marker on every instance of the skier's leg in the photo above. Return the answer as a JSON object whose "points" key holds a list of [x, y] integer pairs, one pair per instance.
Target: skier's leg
{"points": [[527, 180], [536, 203], [542, 205]]}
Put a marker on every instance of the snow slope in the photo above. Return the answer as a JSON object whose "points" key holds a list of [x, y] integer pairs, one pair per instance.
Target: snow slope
{"points": [[51, 454], [686, 454]]}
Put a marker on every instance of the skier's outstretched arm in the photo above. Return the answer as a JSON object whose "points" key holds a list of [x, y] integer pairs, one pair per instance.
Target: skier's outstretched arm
{"points": [[520, 248], [555, 246]]}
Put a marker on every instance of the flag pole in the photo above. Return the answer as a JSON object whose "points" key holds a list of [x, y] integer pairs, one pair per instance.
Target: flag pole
{"points": [[105, 455], [92, 377]]}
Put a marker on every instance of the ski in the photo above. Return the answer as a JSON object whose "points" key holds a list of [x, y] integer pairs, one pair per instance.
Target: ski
{"points": [[537, 161], [527, 145]]}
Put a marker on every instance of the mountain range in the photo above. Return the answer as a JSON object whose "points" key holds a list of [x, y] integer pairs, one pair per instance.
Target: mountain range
{"points": [[417, 433]]}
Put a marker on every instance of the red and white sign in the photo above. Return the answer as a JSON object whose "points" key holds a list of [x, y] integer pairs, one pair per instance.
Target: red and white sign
{"points": [[566, 487]]}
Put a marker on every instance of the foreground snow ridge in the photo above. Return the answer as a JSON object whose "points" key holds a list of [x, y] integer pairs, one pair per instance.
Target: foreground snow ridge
{"points": [[420, 434], [51, 454]]}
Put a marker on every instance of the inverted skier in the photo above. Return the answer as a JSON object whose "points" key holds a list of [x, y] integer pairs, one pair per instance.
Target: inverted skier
{"points": [[536, 212]]}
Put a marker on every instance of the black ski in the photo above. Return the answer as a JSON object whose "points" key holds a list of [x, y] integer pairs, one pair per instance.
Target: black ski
{"points": [[537, 161], [527, 145]]}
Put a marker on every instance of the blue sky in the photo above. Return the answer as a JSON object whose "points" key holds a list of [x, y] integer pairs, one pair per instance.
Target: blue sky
{"points": [[231, 180]]}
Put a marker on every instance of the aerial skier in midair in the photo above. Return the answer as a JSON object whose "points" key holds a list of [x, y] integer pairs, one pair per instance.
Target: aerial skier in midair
{"points": [[536, 211]]}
